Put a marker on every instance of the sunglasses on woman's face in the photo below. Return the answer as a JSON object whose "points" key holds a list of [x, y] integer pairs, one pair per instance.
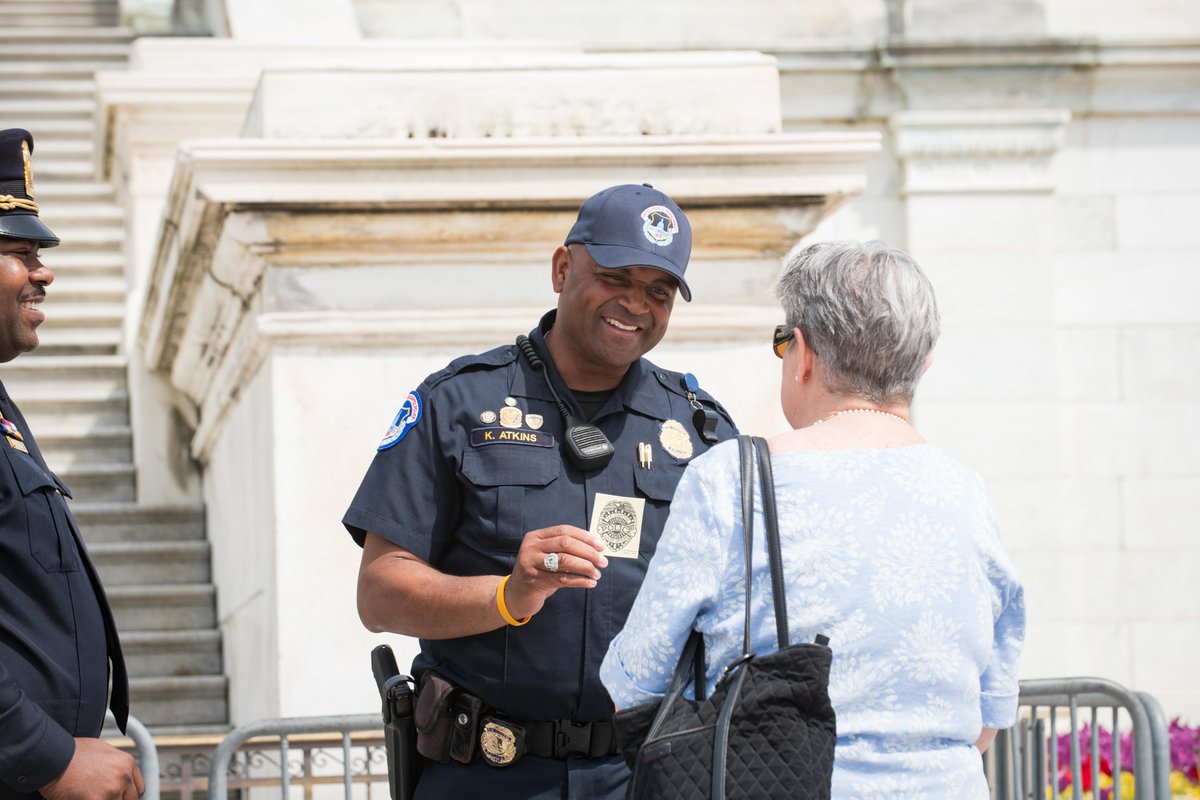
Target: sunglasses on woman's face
{"points": [[783, 336]]}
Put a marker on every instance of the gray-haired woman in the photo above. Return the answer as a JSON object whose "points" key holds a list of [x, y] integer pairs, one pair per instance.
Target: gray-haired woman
{"points": [[890, 547]]}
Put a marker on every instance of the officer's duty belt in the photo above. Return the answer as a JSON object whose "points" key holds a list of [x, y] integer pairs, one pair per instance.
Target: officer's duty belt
{"points": [[561, 738]]}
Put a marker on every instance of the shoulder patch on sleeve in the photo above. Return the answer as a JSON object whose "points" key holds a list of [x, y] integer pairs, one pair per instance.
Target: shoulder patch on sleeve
{"points": [[408, 416]]}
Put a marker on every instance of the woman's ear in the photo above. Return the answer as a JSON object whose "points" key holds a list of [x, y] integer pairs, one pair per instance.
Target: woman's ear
{"points": [[928, 363], [807, 356]]}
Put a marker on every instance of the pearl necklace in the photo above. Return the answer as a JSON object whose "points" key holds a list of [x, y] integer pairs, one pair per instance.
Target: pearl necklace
{"points": [[876, 411]]}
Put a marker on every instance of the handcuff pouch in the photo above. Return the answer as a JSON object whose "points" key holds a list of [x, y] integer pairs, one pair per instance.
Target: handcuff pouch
{"points": [[434, 716]]}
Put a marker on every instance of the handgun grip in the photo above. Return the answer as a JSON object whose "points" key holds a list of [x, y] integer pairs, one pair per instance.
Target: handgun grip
{"points": [[383, 664]]}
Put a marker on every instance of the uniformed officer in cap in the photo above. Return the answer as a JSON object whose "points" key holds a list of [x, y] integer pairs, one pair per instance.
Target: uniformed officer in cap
{"points": [[513, 505], [57, 636]]}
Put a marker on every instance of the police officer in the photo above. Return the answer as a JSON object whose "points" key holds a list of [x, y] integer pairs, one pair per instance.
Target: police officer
{"points": [[512, 507], [57, 636]]}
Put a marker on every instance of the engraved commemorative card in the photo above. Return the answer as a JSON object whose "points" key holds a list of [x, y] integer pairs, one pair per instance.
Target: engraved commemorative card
{"points": [[618, 521]]}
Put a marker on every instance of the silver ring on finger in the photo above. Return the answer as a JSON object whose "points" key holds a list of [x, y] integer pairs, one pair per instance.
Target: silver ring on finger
{"points": [[550, 562]]}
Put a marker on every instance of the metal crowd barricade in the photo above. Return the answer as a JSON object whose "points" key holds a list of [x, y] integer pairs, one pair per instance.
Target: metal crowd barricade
{"points": [[147, 754], [1023, 764], [283, 729]]}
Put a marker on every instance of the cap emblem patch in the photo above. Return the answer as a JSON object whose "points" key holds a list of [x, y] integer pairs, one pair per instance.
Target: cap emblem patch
{"points": [[659, 226]]}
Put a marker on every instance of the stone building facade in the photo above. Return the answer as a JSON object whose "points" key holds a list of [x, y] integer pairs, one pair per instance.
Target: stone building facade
{"points": [[326, 203]]}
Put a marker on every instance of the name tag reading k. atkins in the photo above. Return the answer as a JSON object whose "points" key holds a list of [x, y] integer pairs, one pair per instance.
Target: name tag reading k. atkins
{"points": [[482, 436], [618, 521]]}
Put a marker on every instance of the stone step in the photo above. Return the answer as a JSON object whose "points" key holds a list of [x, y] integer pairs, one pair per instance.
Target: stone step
{"points": [[157, 607], [199, 699], [52, 6], [69, 263], [67, 191], [97, 376], [108, 238], [129, 563], [66, 448], [25, 113], [54, 129], [172, 653], [106, 483], [80, 315], [63, 149], [68, 409], [17, 49], [61, 6], [166, 736], [66, 36], [69, 170], [61, 89], [19, 18], [80, 342], [28, 113], [96, 214], [84, 289], [18, 75], [126, 522]]}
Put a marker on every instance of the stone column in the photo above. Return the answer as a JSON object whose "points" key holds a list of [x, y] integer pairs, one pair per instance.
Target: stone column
{"points": [[981, 220]]}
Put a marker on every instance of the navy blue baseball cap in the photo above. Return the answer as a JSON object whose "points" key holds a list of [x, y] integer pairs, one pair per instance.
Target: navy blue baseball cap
{"points": [[18, 211], [635, 226]]}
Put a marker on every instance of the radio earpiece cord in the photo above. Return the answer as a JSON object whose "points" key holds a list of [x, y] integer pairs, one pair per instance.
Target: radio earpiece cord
{"points": [[585, 445]]}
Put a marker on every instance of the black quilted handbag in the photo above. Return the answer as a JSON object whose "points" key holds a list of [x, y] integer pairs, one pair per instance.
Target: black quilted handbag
{"points": [[768, 731]]}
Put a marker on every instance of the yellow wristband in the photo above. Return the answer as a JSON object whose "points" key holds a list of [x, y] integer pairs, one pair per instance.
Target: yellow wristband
{"points": [[509, 618]]}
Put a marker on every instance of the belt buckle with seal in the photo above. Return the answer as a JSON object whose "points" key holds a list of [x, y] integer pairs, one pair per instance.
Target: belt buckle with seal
{"points": [[501, 742]]}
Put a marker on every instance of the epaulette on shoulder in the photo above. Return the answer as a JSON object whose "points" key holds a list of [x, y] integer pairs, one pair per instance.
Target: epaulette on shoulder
{"points": [[496, 357], [673, 382]]}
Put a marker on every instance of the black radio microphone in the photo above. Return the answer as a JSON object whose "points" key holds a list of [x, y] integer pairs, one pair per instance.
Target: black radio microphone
{"points": [[585, 445]]}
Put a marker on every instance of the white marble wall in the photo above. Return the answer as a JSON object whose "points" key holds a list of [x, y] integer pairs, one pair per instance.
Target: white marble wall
{"points": [[1069, 375]]}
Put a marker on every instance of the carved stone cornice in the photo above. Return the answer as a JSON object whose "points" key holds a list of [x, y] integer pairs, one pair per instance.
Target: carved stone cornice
{"points": [[241, 210], [863, 80], [463, 329], [978, 151]]}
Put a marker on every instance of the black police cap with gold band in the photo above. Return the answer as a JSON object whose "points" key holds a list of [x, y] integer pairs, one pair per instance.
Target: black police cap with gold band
{"points": [[18, 210]]}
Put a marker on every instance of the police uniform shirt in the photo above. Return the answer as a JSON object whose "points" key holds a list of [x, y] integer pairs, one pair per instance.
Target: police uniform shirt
{"points": [[56, 630], [461, 491]]}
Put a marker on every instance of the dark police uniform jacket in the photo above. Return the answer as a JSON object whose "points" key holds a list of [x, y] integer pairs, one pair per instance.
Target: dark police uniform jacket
{"points": [[57, 634], [458, 491]]}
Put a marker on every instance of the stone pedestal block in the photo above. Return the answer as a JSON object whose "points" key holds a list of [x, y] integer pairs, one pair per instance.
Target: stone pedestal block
{"points": [[305, 278]]}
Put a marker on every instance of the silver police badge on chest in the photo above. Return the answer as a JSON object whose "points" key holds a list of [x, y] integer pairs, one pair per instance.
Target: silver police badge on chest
{"points": [[675, 440]]}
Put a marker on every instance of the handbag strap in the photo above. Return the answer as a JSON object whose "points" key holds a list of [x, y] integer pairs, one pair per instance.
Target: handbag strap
{"points": [[751, 449], [746, 470], [771, 518], [748, 448], [692, 658]]}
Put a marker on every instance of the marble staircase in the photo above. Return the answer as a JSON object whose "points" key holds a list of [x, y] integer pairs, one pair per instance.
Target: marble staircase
{"points": [[154, 559]]}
